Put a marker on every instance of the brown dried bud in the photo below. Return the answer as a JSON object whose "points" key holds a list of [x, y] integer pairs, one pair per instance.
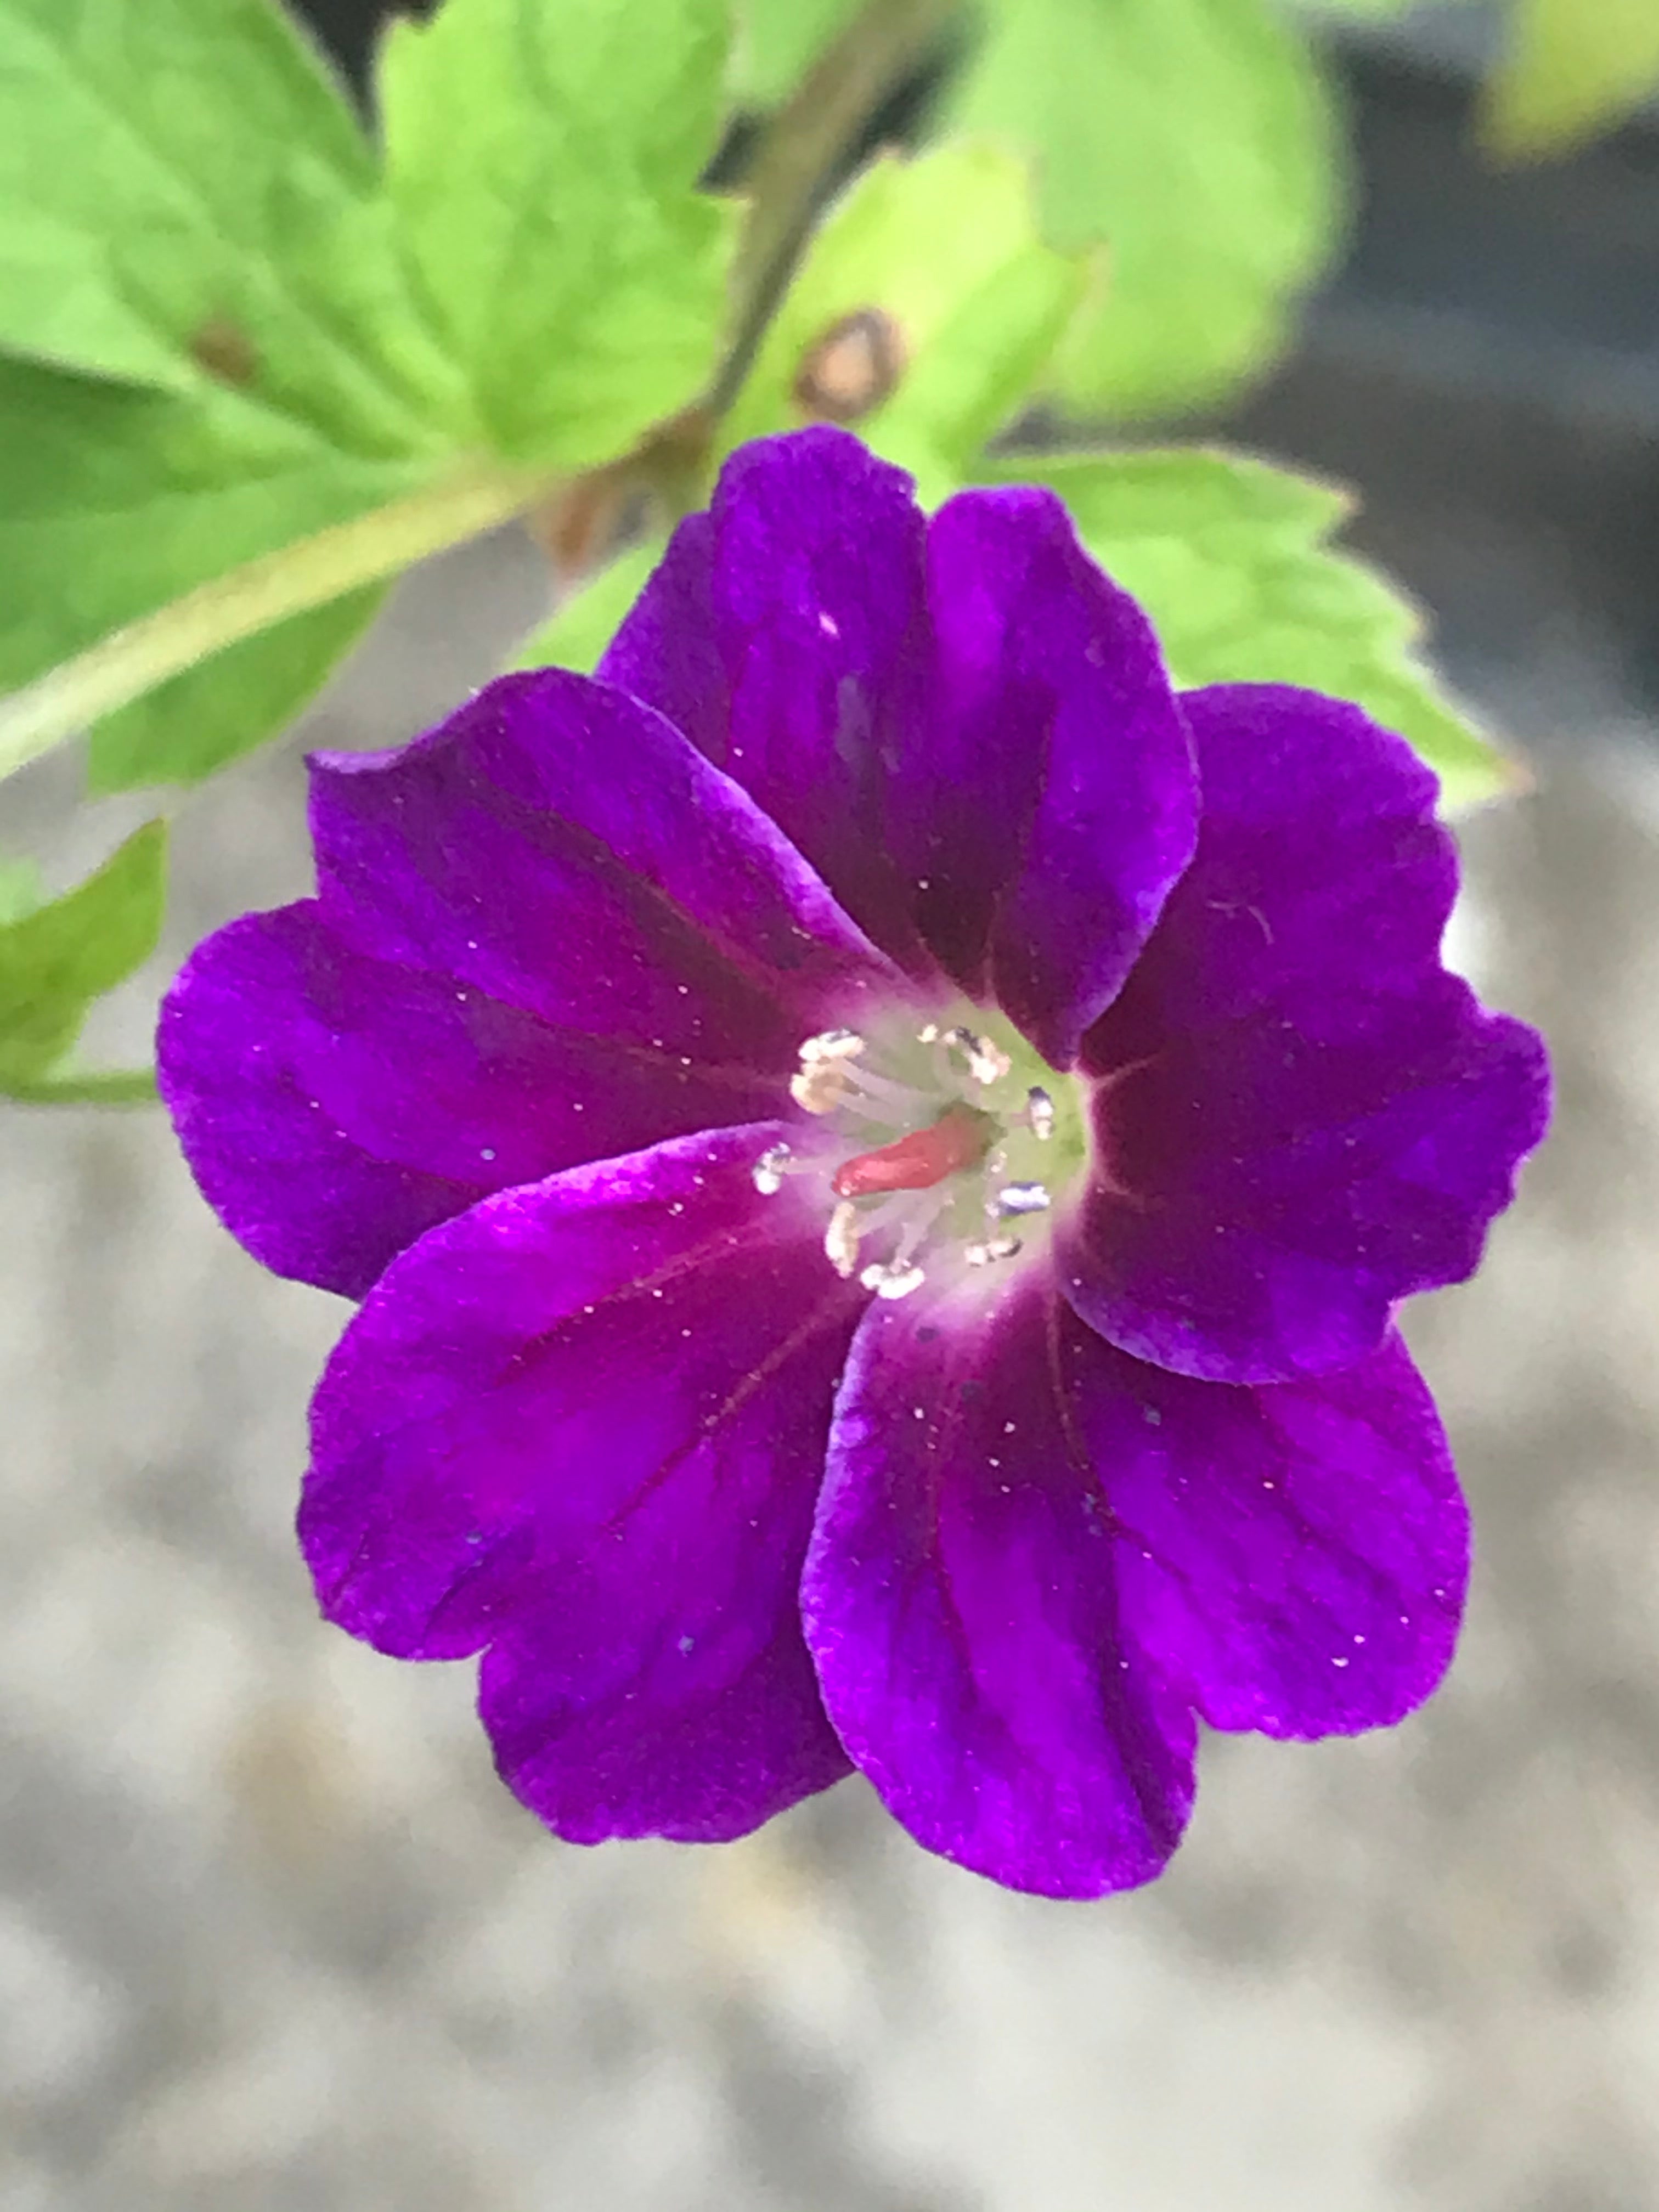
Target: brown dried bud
{"points": [[851, 368]]}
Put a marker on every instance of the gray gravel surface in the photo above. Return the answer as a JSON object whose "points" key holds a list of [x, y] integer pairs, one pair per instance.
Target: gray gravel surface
{"points": [[273, 1938]]}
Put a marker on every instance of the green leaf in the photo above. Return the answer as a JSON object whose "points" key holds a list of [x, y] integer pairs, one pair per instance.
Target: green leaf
{"points": [[224, 331], [940, 258], [1572, 68], [778, 41], [1195, 139], [56, 959], [211, 210], [578, 633], [1228, 555], [542, 159]]}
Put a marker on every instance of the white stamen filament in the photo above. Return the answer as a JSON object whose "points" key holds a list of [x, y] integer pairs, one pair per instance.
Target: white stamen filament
{"points": [[924, 1211], [881, 1089], [840, 1238]]}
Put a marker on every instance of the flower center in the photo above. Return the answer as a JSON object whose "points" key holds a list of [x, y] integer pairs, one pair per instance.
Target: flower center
{"points": [[931, 1144]]}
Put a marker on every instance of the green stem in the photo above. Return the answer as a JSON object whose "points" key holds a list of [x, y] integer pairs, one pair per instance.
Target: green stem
{"points": [[805, 147], [102, 1086], [130, 662]]}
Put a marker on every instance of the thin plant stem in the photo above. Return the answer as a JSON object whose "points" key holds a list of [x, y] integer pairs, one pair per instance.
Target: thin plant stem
{"points": [[308, 573]]}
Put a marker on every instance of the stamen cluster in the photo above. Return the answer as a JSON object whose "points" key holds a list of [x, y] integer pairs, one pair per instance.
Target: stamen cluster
{"points": [[941, 1190]]}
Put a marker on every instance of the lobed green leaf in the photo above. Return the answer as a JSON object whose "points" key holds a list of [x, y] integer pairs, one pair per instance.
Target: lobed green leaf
{"points": [[224, 706], [120, 499], [542, 160], [212, 210], [225, 327]]}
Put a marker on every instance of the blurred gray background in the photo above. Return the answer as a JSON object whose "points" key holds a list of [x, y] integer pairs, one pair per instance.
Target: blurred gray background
{"points": [[273, 1938]]}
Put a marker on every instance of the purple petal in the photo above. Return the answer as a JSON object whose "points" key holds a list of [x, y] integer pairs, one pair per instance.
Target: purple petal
{"points": [[1319, 861], [786, 633], [1051, 802], [1292, 1557], [566, 850], [964, 727], [333, 1106], [585, 1424], [962, 1607], [1299, 1117], [666, 652], [549, 932]]}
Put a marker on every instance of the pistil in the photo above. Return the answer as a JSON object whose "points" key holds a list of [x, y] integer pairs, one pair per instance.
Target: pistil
{"points": [[960, 1139]]}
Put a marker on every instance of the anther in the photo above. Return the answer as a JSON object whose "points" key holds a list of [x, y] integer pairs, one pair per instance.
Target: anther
{"points": [[831, 1045], [1023, 1198], [1040, 1113], [770, 1170], [894, 1282], [987, 1062], [840, 1238], [993, 1248], [819, 1086]]}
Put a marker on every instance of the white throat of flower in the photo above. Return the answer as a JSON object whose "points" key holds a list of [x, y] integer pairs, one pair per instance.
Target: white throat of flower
{"points": [[933, 1143]]}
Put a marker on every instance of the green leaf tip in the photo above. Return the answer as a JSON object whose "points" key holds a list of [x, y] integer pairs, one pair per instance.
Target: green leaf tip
{"points": [[1571, 69], [577, 633], [56, 958]]}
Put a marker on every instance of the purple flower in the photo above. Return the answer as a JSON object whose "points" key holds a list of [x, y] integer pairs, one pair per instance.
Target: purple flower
{"points": [[879, 1147]]}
